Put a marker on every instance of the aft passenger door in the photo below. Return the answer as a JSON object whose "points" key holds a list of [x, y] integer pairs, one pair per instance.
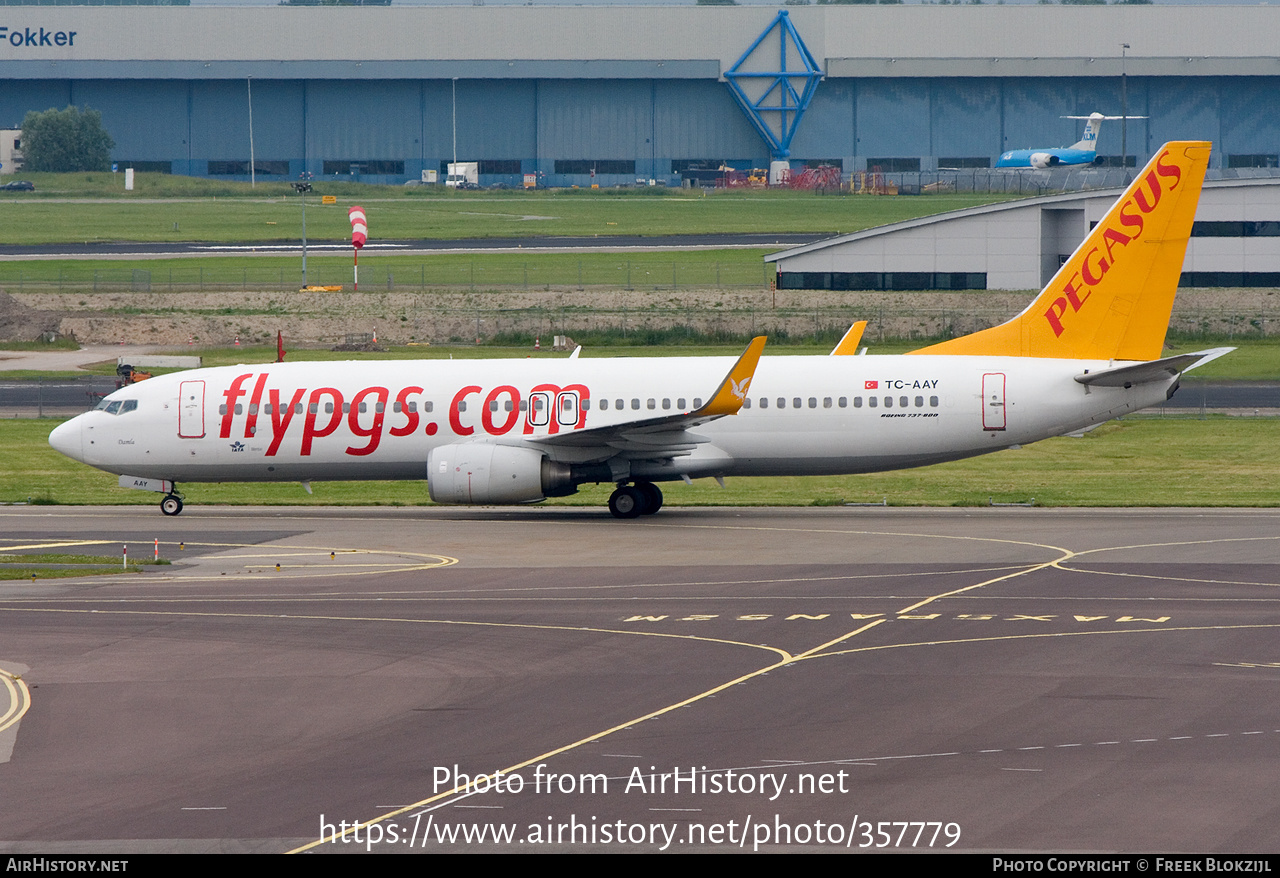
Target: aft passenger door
{"points": [[993, 414]]}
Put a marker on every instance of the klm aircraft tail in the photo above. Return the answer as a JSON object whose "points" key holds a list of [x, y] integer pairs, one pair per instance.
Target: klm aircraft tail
{"points": [[1089, 142], [1112, 299]]}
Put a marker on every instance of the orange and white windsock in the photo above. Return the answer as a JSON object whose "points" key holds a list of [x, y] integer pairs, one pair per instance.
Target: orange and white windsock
{"points": [[359, 227]]}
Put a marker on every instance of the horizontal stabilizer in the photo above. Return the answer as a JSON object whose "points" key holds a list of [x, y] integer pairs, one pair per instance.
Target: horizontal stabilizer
{"points": [[1144, 373]]}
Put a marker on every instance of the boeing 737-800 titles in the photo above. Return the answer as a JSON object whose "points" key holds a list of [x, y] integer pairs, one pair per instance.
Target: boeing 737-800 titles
{"points": [[517, 431]]}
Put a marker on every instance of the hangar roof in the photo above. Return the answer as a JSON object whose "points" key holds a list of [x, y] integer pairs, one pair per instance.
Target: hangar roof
{"points": [[1016, 244], [629, 42], [1222, 196]]}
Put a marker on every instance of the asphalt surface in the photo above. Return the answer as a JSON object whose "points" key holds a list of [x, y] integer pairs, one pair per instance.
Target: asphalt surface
{"points": [[1239, 395], [1008, 680], [131, 249]]}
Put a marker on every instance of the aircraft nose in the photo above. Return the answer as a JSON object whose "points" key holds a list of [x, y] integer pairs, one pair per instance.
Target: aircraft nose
{"points": [[68, 439]]}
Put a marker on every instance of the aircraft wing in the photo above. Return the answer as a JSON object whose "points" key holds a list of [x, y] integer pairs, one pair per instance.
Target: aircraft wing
{"points": [[1155, 370], [668, 435]]}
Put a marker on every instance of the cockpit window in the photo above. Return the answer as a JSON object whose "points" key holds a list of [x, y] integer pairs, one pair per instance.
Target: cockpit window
{"points": [[117, 406]]}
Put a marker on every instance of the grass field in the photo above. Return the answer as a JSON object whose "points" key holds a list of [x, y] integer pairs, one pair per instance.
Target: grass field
{"points": [[55, 566], [59, 212], [1136, 462], [380, 272]]}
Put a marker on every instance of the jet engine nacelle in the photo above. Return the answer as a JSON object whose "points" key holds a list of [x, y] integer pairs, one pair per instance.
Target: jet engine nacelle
{"points": [[1044, 160], [477, 472]]}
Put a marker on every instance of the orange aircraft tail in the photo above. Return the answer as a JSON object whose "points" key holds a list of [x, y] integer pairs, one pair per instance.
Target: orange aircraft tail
{"points": [[1112, 299]]}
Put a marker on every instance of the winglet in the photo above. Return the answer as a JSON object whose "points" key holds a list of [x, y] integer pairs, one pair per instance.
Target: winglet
{"points": [[848, 345], [733, 390]]}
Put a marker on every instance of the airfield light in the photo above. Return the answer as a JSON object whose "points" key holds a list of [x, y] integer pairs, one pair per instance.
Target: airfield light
{"points": [[1124, 115], [253, 171], [302, 187]]}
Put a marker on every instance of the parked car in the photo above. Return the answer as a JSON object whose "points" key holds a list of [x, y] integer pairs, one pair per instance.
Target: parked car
{"points": [[19, 186]]}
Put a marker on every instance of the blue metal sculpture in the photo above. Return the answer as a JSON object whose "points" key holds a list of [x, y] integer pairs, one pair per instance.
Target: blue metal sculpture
{"points": [[782, 94]]}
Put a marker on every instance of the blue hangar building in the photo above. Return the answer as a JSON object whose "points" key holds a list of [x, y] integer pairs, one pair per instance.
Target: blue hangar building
{"points": [[612, 95]]}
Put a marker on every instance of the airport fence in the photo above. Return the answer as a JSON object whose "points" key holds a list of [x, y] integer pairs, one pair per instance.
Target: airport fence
{"points": [[475, 275], [815, 324], [422, 321], [1008, 181], [432, 302], [1017, 181]]}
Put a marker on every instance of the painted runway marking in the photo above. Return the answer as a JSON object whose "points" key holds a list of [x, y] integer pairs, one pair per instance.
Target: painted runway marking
{"points": [[879, 761], [411, 561], [1049, 634], [831, 648], [18, 696], [60, 544], [399, 620], [890, 617]]}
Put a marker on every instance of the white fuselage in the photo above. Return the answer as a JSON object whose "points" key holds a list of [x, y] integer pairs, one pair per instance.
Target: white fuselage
{"points": [[380, 420]]}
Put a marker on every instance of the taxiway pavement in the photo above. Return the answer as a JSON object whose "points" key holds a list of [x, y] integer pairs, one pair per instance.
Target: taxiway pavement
{"points": [[710, 679]]}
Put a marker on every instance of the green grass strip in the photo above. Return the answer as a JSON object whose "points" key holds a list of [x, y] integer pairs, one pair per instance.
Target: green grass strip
{"points": [[1144, 461], [81, 208]]}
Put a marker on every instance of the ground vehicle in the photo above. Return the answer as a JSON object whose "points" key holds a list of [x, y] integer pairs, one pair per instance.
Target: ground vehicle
{"points": [[463, 175]]}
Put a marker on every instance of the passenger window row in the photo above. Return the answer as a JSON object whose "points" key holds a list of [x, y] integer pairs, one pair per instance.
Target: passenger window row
{"points": [[314, 408], [636, 404], [651, 404], [797, 402]]}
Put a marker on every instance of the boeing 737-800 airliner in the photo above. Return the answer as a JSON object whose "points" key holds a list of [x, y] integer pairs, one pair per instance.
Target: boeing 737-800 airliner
{"points": [[517, 431]]}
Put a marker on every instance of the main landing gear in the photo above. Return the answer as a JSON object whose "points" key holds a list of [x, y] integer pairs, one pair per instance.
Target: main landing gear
{"points": [[632, 501], [171, 504]]}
